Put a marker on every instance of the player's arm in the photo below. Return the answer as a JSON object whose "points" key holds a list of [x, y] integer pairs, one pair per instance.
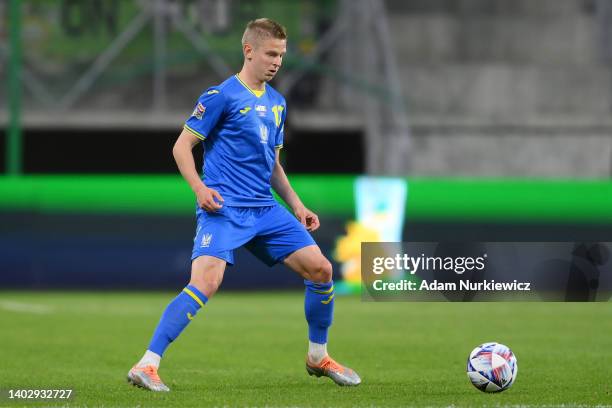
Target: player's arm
{"points": [[183, 155], [280, 184]]}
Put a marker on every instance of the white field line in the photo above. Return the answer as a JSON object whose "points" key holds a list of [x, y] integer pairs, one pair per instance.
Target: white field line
{"points": [[25, 307]]}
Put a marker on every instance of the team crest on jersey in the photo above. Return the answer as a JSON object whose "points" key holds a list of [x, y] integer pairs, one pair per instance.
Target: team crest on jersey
{"points": [[199, 110], [206, 238], [263, 134], [261, 110]]}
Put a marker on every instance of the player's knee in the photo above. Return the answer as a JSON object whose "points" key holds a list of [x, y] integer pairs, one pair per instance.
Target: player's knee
{"points": [[207, 274], [322, 271], [207, 284], [209, 288]]}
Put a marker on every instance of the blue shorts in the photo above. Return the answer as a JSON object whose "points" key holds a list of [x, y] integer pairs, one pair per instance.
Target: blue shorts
{"points": [[271, 233]]}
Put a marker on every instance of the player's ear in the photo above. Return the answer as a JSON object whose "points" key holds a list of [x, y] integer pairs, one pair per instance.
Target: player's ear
{"points": [[247, 49]]}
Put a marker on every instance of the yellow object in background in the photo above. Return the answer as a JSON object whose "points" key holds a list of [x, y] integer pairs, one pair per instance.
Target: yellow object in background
{"points": [[380, 203], [348, 249]]}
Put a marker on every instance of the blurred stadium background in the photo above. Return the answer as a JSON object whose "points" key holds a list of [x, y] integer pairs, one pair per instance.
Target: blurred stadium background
{"points": [[497, 113]]}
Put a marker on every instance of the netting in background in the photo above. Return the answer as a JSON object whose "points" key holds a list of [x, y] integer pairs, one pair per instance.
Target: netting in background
{"points": [[115, 55]]}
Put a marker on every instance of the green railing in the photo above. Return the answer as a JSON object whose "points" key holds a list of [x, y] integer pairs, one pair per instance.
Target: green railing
{"points": [[501, 200]]}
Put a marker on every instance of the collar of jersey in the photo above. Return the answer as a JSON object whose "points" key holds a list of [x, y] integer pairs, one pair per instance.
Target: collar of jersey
{"points": [[258, 94]]}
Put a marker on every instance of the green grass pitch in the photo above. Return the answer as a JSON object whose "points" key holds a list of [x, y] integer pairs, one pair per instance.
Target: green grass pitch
{"points": [[248, 349]]}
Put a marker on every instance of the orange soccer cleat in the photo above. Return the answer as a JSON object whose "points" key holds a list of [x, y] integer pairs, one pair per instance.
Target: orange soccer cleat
{"points": [[328, 367], [146, 377]]}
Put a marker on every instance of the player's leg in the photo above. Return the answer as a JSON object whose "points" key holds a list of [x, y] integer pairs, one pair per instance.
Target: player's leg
{"points": [[283, 239], [319, 301], [206, 276], [316, 270], [217, 235]]}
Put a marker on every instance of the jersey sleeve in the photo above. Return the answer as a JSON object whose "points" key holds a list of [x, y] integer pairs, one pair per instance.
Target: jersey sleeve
{"points": [[280, 136], [208, 111]]}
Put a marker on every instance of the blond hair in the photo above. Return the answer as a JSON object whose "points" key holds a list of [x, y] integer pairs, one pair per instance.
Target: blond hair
{"points": [[261, 29]]}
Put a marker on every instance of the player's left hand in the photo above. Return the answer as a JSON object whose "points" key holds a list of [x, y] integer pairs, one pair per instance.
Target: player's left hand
{"points": [[308, 219]]}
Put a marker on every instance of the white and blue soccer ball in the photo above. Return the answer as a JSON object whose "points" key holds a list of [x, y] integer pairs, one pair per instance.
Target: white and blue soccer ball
{"points": [[492, 367]]}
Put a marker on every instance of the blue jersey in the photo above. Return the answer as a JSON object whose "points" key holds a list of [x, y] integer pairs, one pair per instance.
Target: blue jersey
{"points": [[241, 128]]}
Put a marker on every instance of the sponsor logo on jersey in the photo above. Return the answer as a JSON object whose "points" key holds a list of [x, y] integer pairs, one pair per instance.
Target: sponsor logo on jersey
{"points": [[245, 110], [199, 110], [263, 134], [261, 110]]}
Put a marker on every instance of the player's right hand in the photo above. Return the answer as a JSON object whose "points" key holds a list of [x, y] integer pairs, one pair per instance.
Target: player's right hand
{"points": [[209, 199]]}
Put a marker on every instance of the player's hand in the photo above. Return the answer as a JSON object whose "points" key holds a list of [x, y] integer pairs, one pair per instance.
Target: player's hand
{"points": [[308, 219], [206, 199]]}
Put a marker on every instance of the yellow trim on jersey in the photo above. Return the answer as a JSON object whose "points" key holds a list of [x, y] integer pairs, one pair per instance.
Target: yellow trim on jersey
{"points": [[195, 133], [253, 91], [193, 295]]}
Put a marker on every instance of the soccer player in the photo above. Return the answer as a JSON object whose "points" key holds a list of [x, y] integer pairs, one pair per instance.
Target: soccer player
{"points": [[241, 123]]}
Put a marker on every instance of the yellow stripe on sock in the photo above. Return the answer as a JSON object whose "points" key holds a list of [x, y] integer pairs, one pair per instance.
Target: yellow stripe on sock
{"points": [[325, 292], [325, 302], [193, 295]]}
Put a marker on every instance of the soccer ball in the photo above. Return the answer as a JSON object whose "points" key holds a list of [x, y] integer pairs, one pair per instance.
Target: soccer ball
{"points": [[492, 367]]}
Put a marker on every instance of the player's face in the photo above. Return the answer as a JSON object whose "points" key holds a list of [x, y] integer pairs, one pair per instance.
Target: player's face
{"points": [[268, 58]]}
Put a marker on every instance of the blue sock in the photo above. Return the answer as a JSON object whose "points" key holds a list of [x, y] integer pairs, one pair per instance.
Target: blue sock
{"points": [[176, 317], [319, 309]]}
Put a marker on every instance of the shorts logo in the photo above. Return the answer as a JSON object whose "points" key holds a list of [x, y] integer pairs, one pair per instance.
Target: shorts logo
{"points": [[199, 110], [206, 238], [263, 134]]}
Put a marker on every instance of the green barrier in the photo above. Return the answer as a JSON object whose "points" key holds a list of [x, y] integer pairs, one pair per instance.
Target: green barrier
{"points": [[502, 200]]}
